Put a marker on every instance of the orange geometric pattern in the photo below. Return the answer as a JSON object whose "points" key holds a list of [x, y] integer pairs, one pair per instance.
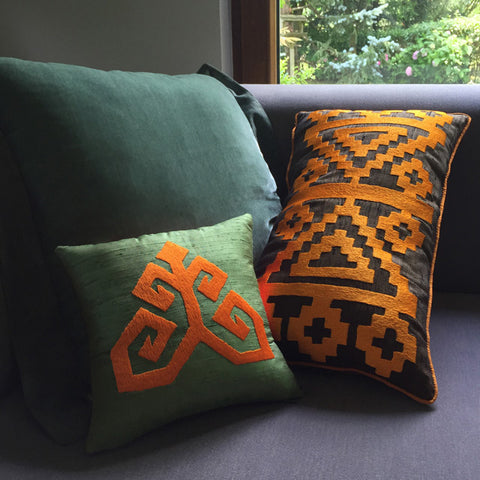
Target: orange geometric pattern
{"points": [[346, 277], [182, 280]]}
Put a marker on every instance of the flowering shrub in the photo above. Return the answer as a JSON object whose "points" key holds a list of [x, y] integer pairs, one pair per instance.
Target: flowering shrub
{"points": [[386, 41], [436, 54]]}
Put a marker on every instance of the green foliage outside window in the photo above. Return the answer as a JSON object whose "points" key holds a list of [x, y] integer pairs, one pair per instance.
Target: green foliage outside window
{"points": [[380, 41]]}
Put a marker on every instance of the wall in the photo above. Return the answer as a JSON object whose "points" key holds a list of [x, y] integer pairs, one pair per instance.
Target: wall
{"points": [[174, 36]]}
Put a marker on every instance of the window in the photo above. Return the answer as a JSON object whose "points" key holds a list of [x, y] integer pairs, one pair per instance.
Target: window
{"points": [[356, 41], [379, 41]]}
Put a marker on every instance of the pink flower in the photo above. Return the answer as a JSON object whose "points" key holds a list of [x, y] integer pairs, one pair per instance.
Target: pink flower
{"points": [[386, 57], [408, 71], [379, 63], [415, 54]]}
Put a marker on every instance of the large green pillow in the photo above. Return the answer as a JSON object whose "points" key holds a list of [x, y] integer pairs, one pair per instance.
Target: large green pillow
{"points": [[258, 119], [176, 326], [98, 156]]}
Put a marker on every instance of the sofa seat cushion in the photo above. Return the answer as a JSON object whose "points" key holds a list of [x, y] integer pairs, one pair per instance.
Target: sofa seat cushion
{"points": [[345, 427]]}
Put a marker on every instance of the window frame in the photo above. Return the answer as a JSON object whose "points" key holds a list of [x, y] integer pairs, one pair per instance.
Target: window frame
{"points": [[255, 41]]}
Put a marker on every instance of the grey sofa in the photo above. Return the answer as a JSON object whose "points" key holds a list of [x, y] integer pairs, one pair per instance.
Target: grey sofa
{"points": [[345, 426]]}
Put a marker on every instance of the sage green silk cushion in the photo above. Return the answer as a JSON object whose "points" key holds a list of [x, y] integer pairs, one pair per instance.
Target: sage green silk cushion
{"points": [[99, 156], [176, 326]]}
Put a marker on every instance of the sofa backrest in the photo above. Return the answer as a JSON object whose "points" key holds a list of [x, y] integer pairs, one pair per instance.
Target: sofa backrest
{"points": [[458, 259]]}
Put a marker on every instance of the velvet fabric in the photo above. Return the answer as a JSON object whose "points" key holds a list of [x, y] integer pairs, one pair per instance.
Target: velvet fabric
{"points": [[99, 156], [256, 116]]}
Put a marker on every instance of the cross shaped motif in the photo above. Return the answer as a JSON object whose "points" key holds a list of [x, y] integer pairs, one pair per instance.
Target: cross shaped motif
{"points": [[388, 344], [414, 178], [317, 331], [291, 223], [403, 231]]}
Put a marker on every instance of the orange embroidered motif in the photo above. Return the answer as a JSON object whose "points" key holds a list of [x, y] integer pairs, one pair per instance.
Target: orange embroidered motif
{"points": [[361, 198], [182, 279]]}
